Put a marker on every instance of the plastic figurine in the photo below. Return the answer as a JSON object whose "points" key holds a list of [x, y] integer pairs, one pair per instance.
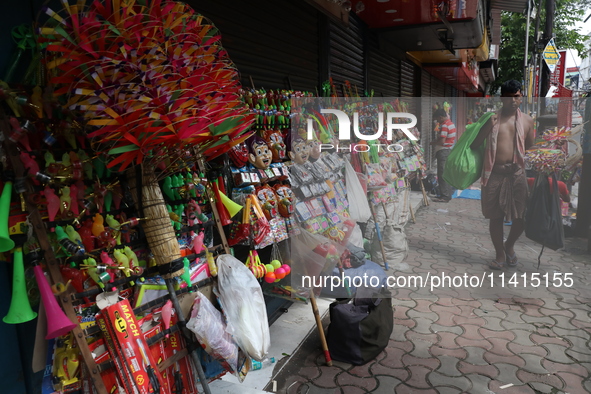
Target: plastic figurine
{"points": [[186, 275], [97, 226], [117, 195], [77, 172], [166, 312], [133, 260], [239, 154], [30, 164], [90, 264], [53, 202], [259, 154], [70, 247], [86, 164], [123, 261], [85, 233], [277, 146], [65, 202], [19, 133], [99, 195], [108, 262], [268, 199], [286, 200], [116, 226], [37, 101], [197, 242], [167, 188], [74, 236]]}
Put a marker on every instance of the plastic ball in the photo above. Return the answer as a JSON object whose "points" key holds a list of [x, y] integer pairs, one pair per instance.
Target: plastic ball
{"points": [[269, 267], [279, 273], [286, 268], [270, 277], [276, 264]]}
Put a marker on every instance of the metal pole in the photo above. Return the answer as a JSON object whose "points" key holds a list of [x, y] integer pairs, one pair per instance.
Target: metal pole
{"points": [[526, 57], [548, 33], [186, 334]]}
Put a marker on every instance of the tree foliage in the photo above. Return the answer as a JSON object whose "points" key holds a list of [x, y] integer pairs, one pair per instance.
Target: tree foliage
{"points": [[513, 25]]}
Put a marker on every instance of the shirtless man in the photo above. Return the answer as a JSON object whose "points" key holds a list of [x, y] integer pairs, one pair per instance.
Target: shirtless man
{"points": [[508, 135]]}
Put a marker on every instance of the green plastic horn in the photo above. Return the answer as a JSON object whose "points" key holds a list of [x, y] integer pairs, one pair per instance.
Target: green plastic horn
{"points": [[20, 309], [6, 243]]}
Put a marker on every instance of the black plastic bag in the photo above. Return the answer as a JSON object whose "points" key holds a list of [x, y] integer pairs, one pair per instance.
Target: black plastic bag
{"points": [[543, 218], [360, 329]]}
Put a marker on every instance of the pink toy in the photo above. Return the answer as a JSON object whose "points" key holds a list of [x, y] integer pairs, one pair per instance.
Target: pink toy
{"points": [[74, 200], [286, 268], [106, 259], [166, 315], [77, 172], [197, 242], [30, 164], [53, 202], [19, 134]]}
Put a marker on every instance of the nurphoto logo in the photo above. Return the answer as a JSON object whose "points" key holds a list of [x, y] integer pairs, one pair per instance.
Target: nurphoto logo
{"points": [[345, 130]]}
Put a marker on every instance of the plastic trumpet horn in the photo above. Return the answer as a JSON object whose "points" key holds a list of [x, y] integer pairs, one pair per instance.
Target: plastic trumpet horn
{"points": [[58, 323], [20, 309], [232, 207], [6, 243], [222, 211]]}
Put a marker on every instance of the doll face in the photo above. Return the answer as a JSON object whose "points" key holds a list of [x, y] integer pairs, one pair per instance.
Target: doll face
{"points": [[314, 148], [260, 156], [277, 146], [268, 200], [300, 151]]}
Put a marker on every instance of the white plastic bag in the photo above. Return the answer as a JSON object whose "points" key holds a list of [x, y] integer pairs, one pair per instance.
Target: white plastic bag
{"points": [[358, 205], [242, 300], [207, 324]]}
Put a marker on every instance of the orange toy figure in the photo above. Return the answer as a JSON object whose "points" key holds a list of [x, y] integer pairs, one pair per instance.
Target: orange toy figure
{"points": [[277, 146], [97, 225], [286, 200], [268, 199], [53, 202]]}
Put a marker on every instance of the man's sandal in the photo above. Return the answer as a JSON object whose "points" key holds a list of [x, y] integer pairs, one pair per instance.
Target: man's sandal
{"points": [[495, 265], [511, 260]]}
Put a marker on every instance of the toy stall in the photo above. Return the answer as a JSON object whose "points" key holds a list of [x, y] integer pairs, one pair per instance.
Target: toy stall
{"points": [[152, 207]]}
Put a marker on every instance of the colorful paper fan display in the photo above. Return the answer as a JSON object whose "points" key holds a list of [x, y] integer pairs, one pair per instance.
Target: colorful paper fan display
{"points": [[150, 77], [546, 155]]}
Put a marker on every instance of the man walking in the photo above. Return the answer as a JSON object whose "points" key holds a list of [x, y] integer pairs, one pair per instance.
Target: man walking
{"points": [[508, 133], [442, 146]]}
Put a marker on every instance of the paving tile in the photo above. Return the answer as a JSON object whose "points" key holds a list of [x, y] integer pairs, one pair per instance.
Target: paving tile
{"points": [[541, 387], [448, 390], [471, 332], [406, 322], [352, 390], [386, 385], [319, 390], [518, 349], [563, 322], [448, 366], [544, 339], [481, 343], [393, 358], [310, 372], [574, 336], [507, 374], [347, 379], [405, 389], [479, 382], [557, 353], [573, 383], [493, 323], [523, 338], [405, 345], [418, 377], [494, 387], [577, 356], [553, 312], [499, 346], [423, 325], [574, 368], [438, 379], [293, 384], [399, 373], [533, 363], [475, 355], [440, 351], [488, 370], [486, 333], [399, 333], [584, 325], [409, 360], [455, 329], [400, 312], [513, 359], [538, 319], [327, 377]]}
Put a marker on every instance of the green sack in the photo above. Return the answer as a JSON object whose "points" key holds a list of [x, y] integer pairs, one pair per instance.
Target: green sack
{"points": [[464, 165]]}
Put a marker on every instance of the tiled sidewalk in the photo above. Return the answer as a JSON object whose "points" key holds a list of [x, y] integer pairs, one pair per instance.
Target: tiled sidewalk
{"points": [[507, 340]]}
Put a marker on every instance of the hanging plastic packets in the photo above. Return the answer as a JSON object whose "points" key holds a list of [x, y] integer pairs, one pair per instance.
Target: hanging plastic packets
{"points": [[242, 300]]}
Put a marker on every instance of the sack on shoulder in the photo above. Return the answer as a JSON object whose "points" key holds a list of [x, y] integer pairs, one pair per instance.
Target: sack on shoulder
{"points": [[360, 329], [543, 218]]}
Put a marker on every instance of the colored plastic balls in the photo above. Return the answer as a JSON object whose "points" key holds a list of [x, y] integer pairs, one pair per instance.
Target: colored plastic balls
{"points": [[270, 277]]}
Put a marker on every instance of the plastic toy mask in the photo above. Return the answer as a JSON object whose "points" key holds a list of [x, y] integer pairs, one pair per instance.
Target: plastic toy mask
{"points": [[269, 203], [286, 200], [260, 156], [300, 151], [277, 146]]}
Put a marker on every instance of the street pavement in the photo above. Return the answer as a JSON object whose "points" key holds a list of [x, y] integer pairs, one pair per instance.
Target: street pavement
{"points": [[506, 338]]}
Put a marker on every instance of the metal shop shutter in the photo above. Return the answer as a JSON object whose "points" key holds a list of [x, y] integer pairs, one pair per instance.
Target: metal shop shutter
{"points": [[383, 71], [277, 46], [346, 55]]}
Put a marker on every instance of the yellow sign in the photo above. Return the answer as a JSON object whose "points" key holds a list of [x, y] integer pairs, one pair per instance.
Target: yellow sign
{"points": [[551, 55]]}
